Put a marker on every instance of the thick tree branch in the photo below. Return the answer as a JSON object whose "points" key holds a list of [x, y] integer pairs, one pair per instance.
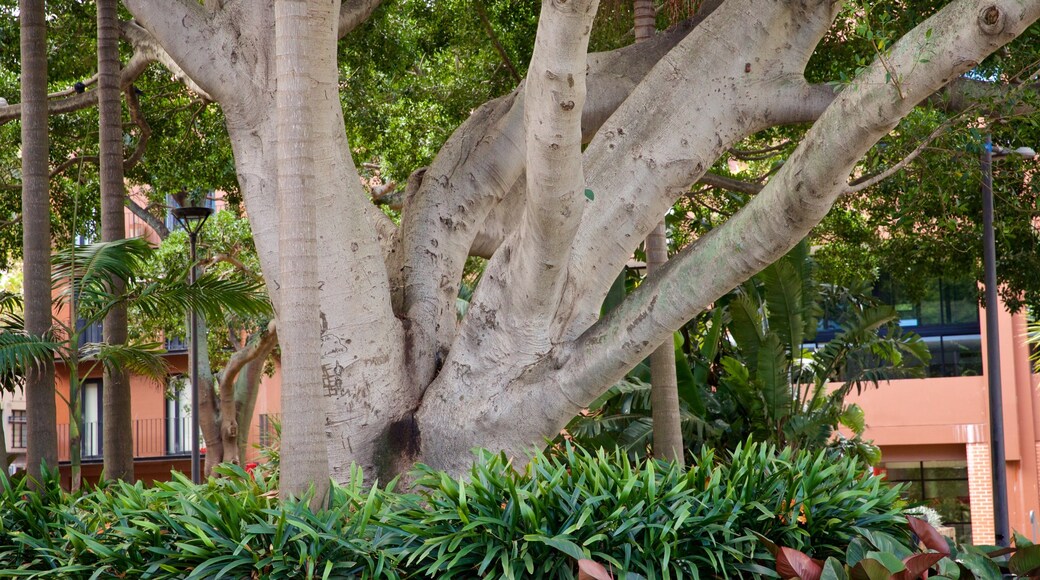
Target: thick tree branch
{"points": [[189, 35], [799, 195], [553, 100], [76, 101], [482, 162], [641, 168], [354, 13]]}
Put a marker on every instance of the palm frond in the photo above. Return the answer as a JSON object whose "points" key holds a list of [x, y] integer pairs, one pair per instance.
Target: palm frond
{"points": [[86, 272], [10, 302], [20, 352], [210, 296], [145, 359], [10, 311]]}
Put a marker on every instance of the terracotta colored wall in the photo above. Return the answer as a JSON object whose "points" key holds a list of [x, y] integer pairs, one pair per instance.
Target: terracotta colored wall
{"points": [[941, 418]]}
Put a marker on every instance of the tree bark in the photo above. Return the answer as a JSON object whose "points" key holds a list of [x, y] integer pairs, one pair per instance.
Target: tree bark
{"points": [[209, 413], [664, 386], [39, 386], [305, 47], [118, 432], [532, 350], [233, 421]]}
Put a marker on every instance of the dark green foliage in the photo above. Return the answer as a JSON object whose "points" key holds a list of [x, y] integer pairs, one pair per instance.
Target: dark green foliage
{"points": [[648, 519]]}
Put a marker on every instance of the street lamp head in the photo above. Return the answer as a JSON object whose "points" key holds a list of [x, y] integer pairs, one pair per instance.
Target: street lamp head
{"points": [[1026, 152], [192, 218]]}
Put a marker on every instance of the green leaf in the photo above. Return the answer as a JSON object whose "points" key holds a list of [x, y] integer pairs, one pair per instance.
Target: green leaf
{"points": [[1026, 560], [833, 570], [869, 569], [783, 292], [772, 374], [589, 194]]}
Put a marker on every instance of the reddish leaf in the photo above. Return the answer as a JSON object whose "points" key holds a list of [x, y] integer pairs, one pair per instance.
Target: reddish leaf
{"points": [[931, 538], [592, 570], [918, 564], [791, 563], [770, 546]]}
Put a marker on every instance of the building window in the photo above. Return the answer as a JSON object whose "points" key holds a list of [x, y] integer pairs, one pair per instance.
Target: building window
{"points": [[944, 312], [267, 430], [17, 421], [940, 485], [93, 422], [178, 417]]}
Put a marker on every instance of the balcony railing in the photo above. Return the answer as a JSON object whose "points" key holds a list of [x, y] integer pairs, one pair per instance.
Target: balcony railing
{"points": [[176, 345], [151, 438], [93, 333]]}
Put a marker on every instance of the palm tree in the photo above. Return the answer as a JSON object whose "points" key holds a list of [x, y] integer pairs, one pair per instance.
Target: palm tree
{"points": [[664, 394], [83, 285], [305, 67], [36, 233], [118, 445]]}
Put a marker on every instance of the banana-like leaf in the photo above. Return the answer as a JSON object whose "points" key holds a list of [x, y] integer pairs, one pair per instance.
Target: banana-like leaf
{"points": [[783, 291], [772, 375], [746, 327]]}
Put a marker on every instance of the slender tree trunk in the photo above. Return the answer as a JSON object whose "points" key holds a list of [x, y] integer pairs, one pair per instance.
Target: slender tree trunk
{"points": [[664, 386], [118, 443], [247, 386], [231, 406], [36, 237], [305, 42], [3, 448], [209, 415]]}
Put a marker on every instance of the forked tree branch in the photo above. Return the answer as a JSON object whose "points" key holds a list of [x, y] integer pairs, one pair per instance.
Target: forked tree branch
{"points": [[354, 13], [797, 198]]}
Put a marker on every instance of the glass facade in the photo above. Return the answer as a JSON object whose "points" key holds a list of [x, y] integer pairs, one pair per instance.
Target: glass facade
{"points": [[940, 485], [945, 315]]}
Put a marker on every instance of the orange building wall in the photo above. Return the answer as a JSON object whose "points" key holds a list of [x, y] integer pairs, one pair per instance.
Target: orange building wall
{"points": [[948, 418]]}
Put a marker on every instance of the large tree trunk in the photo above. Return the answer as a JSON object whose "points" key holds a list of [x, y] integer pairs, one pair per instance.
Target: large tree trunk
{"points": [[306, 72], [118, 443], [532, 350], [39, 386]]}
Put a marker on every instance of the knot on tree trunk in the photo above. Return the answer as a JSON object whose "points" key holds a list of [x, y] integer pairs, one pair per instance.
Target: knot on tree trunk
{"points": [[231, 430], [992, 19]]}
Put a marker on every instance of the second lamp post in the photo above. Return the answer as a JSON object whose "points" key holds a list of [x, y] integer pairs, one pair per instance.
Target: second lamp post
{"points": [[192, 219]]}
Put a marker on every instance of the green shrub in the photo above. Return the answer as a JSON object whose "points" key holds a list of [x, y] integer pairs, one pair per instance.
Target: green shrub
{"points": [[650, 519], [653, 519]]}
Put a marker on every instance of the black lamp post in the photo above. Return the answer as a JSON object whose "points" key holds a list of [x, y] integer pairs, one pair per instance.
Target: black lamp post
{"points": [[996, 403], [192, 219]]}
